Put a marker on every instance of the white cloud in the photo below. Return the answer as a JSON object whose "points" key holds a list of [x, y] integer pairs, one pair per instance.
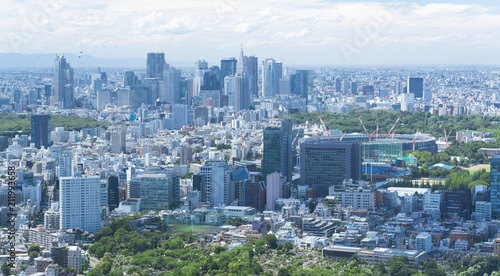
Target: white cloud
{"points": [[207, 28]]}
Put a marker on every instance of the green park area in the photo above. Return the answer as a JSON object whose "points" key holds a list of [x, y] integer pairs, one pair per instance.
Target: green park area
{"points": [[12, 124]]}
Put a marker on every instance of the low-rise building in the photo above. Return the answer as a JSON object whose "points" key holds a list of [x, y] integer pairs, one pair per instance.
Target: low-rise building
{"points": [[384, 255]]}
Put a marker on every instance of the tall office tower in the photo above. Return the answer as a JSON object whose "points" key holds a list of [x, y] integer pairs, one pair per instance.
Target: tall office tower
{"points": [[255, 195], [227, 67], [65, 165], [407, 101], [354, 88], [186, 155], [63, 83], [16, 96], [40, 130], [274, 189], [216, 182], [271, 151], [329, 163], [104, 78], [134, 188], [155, 65], [495, 185], [428, 96], [230, 89], [338, 85], [103, 193], [97, 86], [211, 79], [118, 141], [397, 87], [4, 143], [47, 91], [129, 78], [285, 86], [159, 191], [171, 83], [251, 71], [199, 184], [113, 192], [248, 67], [368, 90], [180, 115], [79, 203], [236, 88], [302, 86], [286, 150], [278, 150], [416, 86], [199, 74], [272, 72], [200, 115], [345, 88]]}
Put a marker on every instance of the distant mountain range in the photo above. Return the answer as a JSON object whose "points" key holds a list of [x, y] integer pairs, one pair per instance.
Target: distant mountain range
{"points": [[47, 60]]}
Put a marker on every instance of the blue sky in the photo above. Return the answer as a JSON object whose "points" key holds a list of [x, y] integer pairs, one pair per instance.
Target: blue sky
{"points": [[315, 32]]}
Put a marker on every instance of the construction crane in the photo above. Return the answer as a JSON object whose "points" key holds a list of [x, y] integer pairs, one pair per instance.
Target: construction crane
{"points": [[327, 132], [363, 125], [296, 136], [415, 139], [389, 133], [446, 136]]}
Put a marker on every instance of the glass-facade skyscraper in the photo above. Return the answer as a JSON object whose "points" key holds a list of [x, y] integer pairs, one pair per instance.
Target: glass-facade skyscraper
{"points": [[278, 150], [329, 163], [40, 130], [63, 83], [155, 65], [159, 191], [272, 72], [495, 185], [416, 86]]}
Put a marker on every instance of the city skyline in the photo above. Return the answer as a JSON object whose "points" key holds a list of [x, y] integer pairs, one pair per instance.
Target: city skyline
{"points": [[297, 33]]}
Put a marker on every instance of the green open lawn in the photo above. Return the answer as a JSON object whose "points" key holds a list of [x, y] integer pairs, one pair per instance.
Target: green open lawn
{"points": [[12, 124], [478, 168], [204, 229]]}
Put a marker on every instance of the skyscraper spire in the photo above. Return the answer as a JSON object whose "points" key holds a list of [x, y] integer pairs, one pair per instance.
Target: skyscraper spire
{"points": [[240, 66]]}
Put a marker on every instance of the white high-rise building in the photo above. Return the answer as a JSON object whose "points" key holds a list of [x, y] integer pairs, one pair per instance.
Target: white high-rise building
{"points": [[274, 189], [103, 194], [272, 72], [358, 199], [79, 199], [118, 141], [75, 259], [483, 211], [217, 182], [432, 201], [52, 219], [179, 113], [424, 242], [171, 82], [65, 165], [200, 69]]}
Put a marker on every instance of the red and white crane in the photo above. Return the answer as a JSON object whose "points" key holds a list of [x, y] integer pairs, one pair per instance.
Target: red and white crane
{"points": [[415, 139], [446, 135], [363, 125], [393, 126], [296, 136], [327, 132]]}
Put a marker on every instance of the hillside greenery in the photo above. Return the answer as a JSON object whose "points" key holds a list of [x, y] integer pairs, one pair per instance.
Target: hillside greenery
{"points": [[124, 251], [12, 124], [409, 123]]}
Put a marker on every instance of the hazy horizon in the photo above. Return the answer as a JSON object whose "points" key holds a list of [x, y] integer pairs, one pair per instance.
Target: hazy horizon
{"points": [[312, 33]]}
